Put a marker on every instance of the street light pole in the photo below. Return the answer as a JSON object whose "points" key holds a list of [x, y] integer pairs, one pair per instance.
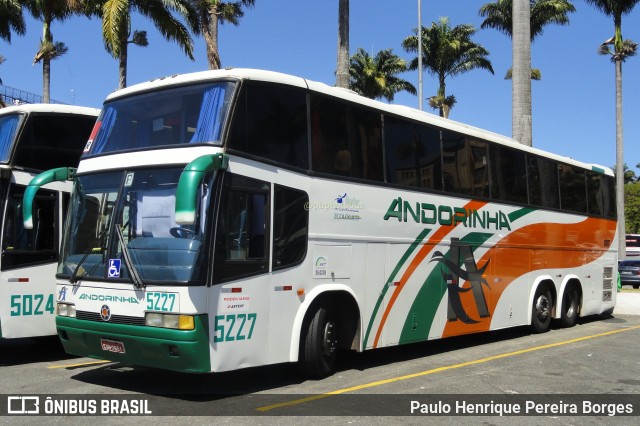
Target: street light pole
{"points": [[420, 55]]}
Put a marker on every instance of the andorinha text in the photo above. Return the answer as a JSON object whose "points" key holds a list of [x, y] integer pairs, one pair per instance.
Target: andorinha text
{"points": [[431, 214], [109, 298]]}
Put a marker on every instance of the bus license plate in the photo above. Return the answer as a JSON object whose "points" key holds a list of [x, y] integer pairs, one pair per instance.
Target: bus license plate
{"points": [[625, 272], [112, 346]]}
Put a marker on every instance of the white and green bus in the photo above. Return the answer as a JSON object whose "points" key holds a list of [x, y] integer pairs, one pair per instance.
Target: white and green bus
{"points": [[34, 138], [237, 218]]}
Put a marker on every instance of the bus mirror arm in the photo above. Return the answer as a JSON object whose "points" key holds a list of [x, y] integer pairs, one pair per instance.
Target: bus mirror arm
{"points": [[190, 180], [54, 175]]}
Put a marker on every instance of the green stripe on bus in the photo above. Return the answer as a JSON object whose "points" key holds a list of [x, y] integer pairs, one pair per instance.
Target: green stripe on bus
{"points": [[517, 214], [423, 310], [385, 288]]}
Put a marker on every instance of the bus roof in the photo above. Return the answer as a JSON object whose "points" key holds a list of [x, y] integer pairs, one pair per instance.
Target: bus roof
{"points": [[400, 110], [53, 108]]}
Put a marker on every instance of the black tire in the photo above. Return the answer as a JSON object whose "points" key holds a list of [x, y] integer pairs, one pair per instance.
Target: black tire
{"points": [[570, 306], [320, 344], [636, 286], [541, 310]]}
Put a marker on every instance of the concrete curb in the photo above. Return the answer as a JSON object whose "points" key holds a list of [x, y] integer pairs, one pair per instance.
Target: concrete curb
{"points": [[627, 304]]}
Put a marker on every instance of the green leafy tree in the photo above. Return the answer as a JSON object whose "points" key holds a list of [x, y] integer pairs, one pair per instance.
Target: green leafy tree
{"points": [[48, 11], [166, 16], [632, 207], [213, 13], [616, 9], [446, 52], [629, 175], [498, 15], [11, 19], [377, 77]]}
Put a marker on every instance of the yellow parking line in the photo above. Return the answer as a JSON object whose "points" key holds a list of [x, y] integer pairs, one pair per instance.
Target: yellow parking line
{"points": [[84, 364], [438, 370]]}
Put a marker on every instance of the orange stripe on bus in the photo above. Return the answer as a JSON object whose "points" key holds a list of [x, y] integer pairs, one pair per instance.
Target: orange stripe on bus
{"points": [[422, 253], [513, 256]]}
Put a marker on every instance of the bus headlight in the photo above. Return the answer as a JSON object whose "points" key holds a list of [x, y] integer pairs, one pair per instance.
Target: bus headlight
{"points": [[178, 322], [67, 310]]}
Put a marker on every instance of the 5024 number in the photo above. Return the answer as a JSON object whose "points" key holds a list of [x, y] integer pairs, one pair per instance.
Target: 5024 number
{"points": [[31, 304], [233, 327]]}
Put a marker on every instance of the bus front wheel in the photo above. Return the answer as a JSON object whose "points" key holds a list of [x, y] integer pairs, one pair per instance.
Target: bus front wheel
{"points": [[541, 310], [320, 344]]}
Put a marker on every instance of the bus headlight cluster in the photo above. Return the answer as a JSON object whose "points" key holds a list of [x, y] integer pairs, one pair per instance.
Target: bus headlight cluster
{"points": [[178, 322], [67, 310]]}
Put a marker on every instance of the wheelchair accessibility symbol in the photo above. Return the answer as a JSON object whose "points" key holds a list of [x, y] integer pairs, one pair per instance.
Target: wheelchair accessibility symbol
{"points": [[114, 268]]}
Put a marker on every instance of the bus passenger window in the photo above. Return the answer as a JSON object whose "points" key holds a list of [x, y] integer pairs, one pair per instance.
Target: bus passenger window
{"points": [[573, 191], [413, 154], [22, 246], [271, 122], [543, 182], [290, 226]]}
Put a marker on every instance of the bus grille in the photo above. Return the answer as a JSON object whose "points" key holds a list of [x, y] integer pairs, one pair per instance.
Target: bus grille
{"points": [[115, 319], [607, 284]]}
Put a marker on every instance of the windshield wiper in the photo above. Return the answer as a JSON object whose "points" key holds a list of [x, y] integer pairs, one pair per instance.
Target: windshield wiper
{"points": [[74, 276], [133, 272]]}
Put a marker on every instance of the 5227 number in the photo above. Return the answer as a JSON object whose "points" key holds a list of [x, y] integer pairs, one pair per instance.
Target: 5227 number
{"points": [[232, 327]]}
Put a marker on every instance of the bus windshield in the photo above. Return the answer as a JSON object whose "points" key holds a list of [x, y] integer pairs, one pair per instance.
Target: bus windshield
{"points": [[9, 125], [184, 115], [122, 225]]}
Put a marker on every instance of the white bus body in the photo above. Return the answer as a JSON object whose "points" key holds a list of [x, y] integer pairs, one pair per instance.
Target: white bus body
{"points": [[238, 218], [33, 138]]}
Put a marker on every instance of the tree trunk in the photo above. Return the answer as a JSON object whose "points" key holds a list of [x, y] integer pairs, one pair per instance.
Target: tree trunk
{"points": [[46, 80], [521, 81], [122, 64], [342, 72], [210, 33], [620, 163], [47, 37]]}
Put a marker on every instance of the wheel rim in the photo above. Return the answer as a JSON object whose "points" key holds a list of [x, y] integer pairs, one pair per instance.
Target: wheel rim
{"points": [[542, 307], [330, 339]]}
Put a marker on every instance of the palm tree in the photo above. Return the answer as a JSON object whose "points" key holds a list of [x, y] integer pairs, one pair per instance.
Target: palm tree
{"points": [[342, 68], [11, 19], [116, 26], [376, 77], [211, 13], [447, 52], [47, 11], [499, 15], [521, 124], [615, 9]]}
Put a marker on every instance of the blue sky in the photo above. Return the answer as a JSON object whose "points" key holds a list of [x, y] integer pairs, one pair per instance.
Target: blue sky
{"points": [[573, 104]]}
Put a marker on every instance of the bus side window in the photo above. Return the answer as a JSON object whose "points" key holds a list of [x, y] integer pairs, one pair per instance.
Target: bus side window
{"points": [[20, 246], [241, 237], [290, 226]]}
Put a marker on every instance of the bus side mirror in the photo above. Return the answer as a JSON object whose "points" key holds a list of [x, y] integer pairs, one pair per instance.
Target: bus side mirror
{"points": [[190, 180], [60, 174]]}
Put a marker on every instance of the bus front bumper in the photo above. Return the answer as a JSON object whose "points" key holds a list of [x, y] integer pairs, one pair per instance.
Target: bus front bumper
{"points": [[168, 349]]}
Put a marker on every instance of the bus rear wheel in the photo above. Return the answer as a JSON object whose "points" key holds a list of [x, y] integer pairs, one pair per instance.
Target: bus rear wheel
{"points": [[320, 344], [570, 306], [541, 310]]}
